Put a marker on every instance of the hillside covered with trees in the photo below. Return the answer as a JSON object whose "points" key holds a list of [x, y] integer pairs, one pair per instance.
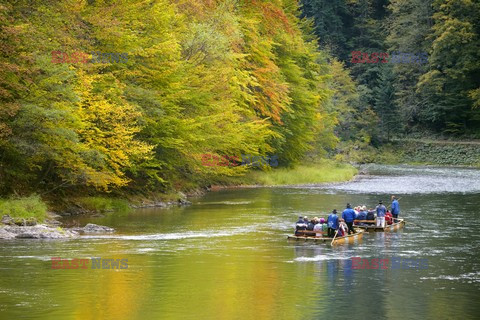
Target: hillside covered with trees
{"points": [[196, 77]]}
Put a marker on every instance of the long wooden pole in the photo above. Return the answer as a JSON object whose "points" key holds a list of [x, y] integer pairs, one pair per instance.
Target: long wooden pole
{"points": [[393, 219], [335, 236], [391, 204]]}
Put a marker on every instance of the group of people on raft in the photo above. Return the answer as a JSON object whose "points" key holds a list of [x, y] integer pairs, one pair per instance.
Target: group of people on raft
{"points": [[341, 226]]}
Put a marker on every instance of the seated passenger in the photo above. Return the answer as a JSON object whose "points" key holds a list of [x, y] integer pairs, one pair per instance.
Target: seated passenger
{"points": [[362, 215], [310, 225], [322, 221], [324, 224], [357, 210], [388, 218], [305, 220], [300, 226], [342, 229], [318, 228], [371, 215]]}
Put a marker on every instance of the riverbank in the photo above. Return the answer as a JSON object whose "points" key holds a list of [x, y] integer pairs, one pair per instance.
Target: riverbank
{"points": [[416, 152], [11, 229], [324, 171], [439, 152], [320, 171], [399, 151], [33, 209]]}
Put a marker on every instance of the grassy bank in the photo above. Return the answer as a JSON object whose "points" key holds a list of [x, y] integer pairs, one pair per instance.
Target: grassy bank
{"points": [[321, 172], [120, 203], [30, 208], [34, 207]]}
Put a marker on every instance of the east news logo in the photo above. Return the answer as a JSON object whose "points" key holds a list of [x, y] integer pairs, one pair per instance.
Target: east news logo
{"points": [[97, 263]]}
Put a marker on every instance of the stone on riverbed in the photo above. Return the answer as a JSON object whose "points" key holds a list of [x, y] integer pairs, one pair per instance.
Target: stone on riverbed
{"points": [[4, 234], [94, 228], [38, 231], [6, 219]]}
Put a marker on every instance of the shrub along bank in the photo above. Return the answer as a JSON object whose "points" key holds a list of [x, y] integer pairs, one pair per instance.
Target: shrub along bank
{"points": [[440, 152]]}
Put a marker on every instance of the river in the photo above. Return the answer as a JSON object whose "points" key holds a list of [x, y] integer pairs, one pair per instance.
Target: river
{"points": [[227, 257]]}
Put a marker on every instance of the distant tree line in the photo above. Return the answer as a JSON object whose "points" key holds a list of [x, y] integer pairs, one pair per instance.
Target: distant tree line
{"points": [[440, 97]]}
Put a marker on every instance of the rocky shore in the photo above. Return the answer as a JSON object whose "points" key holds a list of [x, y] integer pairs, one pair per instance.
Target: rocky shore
{"points": [[29, 229], [39, 231], [17, 228]]}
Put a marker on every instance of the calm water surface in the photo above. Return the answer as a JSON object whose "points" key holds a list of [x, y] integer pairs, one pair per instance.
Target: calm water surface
{"points": [[227, 257]]}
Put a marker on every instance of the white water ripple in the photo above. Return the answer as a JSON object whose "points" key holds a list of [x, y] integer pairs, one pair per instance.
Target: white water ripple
{"points": [[177, 235]]}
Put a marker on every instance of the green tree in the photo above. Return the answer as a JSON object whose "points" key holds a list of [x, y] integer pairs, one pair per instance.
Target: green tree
{"points": [[385, 105], [408, 26], [454, 65]]}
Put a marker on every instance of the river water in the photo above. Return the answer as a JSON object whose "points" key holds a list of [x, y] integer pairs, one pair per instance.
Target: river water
{"points": [[227, 257]]}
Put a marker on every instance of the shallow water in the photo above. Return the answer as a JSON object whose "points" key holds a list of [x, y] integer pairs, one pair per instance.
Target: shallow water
{"points": [[227, 257]]}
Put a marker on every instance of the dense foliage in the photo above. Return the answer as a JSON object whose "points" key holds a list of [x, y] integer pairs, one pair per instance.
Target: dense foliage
{"points": [[186, 78], [196, 76]]}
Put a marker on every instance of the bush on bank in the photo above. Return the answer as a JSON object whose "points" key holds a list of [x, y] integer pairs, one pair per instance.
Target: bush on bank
{"points": [[31, 207]]}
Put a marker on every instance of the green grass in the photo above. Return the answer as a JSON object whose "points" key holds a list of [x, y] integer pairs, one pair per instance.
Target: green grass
{"points": [[103, 204], [322, 172], [31, 207]]}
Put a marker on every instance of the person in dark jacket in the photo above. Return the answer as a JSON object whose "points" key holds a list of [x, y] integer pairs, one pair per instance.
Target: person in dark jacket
{"points": [[332, 222], [300, 226], [310, 227], [371, 215], [348, 215]]}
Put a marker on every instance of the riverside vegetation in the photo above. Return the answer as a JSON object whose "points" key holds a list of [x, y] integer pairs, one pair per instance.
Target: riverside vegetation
{"points": [[260, 77]]}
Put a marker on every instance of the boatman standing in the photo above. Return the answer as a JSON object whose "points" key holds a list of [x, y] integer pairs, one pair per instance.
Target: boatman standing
{"points": [[349, 215], [332, 222], [381, 211], [395, 208]]}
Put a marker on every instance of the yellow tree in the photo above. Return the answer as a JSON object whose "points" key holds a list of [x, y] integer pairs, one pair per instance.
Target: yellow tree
{"points": [[107, 133]]}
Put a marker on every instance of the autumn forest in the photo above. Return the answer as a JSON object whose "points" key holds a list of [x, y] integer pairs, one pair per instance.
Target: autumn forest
{"points": [[102, 96]]}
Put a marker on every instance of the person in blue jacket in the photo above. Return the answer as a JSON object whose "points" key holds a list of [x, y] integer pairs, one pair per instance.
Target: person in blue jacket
{"points": [[332, 223], [395, 208], [349, 215], [381, 211], [362, 215]]}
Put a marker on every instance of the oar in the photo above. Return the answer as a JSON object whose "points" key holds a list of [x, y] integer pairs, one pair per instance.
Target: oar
{"points": [[334, 236], [391, 204], [405, 221]]}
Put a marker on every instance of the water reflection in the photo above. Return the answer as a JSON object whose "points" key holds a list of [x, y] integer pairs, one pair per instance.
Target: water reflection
{"points": [[227, 257]]}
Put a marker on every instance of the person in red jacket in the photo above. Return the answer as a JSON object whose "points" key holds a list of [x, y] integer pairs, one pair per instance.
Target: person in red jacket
{"points": [[342, 229], [388, 218]]}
